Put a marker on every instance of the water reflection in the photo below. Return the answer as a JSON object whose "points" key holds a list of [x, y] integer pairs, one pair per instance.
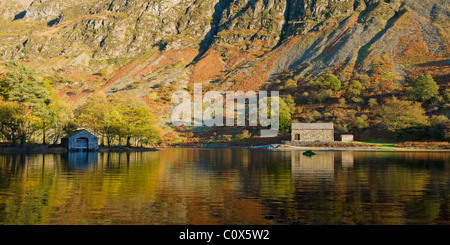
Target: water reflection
{"points": [[81, 160], [226, 186], [347, 159], [319, 166]]}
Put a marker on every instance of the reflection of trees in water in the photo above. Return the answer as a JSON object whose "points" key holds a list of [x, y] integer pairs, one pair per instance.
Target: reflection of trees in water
{"points": [[225, 186], [219, 184], [367, 187]]}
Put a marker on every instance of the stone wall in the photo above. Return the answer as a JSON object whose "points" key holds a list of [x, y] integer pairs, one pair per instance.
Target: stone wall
{"points": [[308, 135], [71, 142], [347, 138]]}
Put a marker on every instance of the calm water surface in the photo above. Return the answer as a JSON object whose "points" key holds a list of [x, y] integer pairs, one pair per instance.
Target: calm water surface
{"points": [[226, 186]]}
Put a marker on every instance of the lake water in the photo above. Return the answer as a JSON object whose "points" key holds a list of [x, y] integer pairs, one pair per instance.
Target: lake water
{"points": [[226, 186]]}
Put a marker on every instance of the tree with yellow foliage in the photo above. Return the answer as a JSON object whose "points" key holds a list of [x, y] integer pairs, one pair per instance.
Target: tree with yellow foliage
{"points": [[401, 116]]}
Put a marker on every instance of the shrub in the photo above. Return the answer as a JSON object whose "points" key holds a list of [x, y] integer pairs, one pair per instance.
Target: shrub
{"points": [[447, 95], [245, 134], [427, 145], [373, 102], [289, 85], [320, 96], [316, 114], [159, 85], [358, 100], [440, 127], [354, 89], [342, 129]]}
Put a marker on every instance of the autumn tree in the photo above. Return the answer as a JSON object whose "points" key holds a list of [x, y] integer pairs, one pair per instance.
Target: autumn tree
{"points": [[12, 120], [401, 116], [60, 118], [93, 115], [287, 108], [120, 117], [141, 123]]}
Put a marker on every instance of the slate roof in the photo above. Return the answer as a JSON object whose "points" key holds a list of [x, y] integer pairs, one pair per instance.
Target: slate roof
{"points": [[77, 132], [312, 126]]}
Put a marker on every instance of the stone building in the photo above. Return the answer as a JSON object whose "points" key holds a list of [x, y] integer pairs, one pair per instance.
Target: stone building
{"points": [[347, 138], [81, 140], [312, 132]]}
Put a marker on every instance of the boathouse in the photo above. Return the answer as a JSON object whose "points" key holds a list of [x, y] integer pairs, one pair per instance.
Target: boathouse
{"points": [[312, 132], [80, 140]]}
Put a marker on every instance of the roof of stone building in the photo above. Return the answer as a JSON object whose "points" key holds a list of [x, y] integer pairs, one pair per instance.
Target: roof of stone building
{"points": [[312, 126], [79, 131]]}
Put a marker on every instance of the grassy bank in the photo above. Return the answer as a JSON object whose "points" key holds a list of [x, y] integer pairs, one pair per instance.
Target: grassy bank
{"points": [[373, 146]]}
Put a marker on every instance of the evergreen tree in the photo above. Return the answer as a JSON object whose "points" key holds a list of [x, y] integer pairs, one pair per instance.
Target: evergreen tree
{"points": [[22, 86]]}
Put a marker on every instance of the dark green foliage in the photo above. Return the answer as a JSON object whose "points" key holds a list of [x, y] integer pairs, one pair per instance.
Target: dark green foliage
{"points": [[328, 81], [21, 85], [439, 128], [424, 88], [12, 120], [354, 89]]}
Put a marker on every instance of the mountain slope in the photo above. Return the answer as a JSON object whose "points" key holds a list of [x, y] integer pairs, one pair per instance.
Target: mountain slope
{"points": [[137, 47]]}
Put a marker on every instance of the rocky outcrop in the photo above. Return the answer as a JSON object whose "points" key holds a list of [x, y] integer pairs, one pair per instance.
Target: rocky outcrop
{"points": [[10, 10]]}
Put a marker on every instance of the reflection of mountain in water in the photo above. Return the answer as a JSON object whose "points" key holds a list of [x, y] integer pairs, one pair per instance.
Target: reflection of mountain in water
{"points": [[320, 165]]}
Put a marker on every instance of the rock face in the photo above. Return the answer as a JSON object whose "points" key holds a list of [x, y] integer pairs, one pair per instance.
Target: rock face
{"points": [[239, 44], [10, 10]]}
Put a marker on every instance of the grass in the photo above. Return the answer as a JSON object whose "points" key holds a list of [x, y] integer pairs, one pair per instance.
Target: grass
{"points": [[424, 145], [386, 145], [378, 144], [410, 145]]}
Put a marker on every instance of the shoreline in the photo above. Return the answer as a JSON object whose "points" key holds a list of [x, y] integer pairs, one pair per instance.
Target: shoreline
{"points": [[283, 147], [51, 149], [42, 149]]}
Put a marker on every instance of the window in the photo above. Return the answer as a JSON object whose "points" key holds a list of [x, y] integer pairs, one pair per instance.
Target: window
{"points": [[297, 137]]}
